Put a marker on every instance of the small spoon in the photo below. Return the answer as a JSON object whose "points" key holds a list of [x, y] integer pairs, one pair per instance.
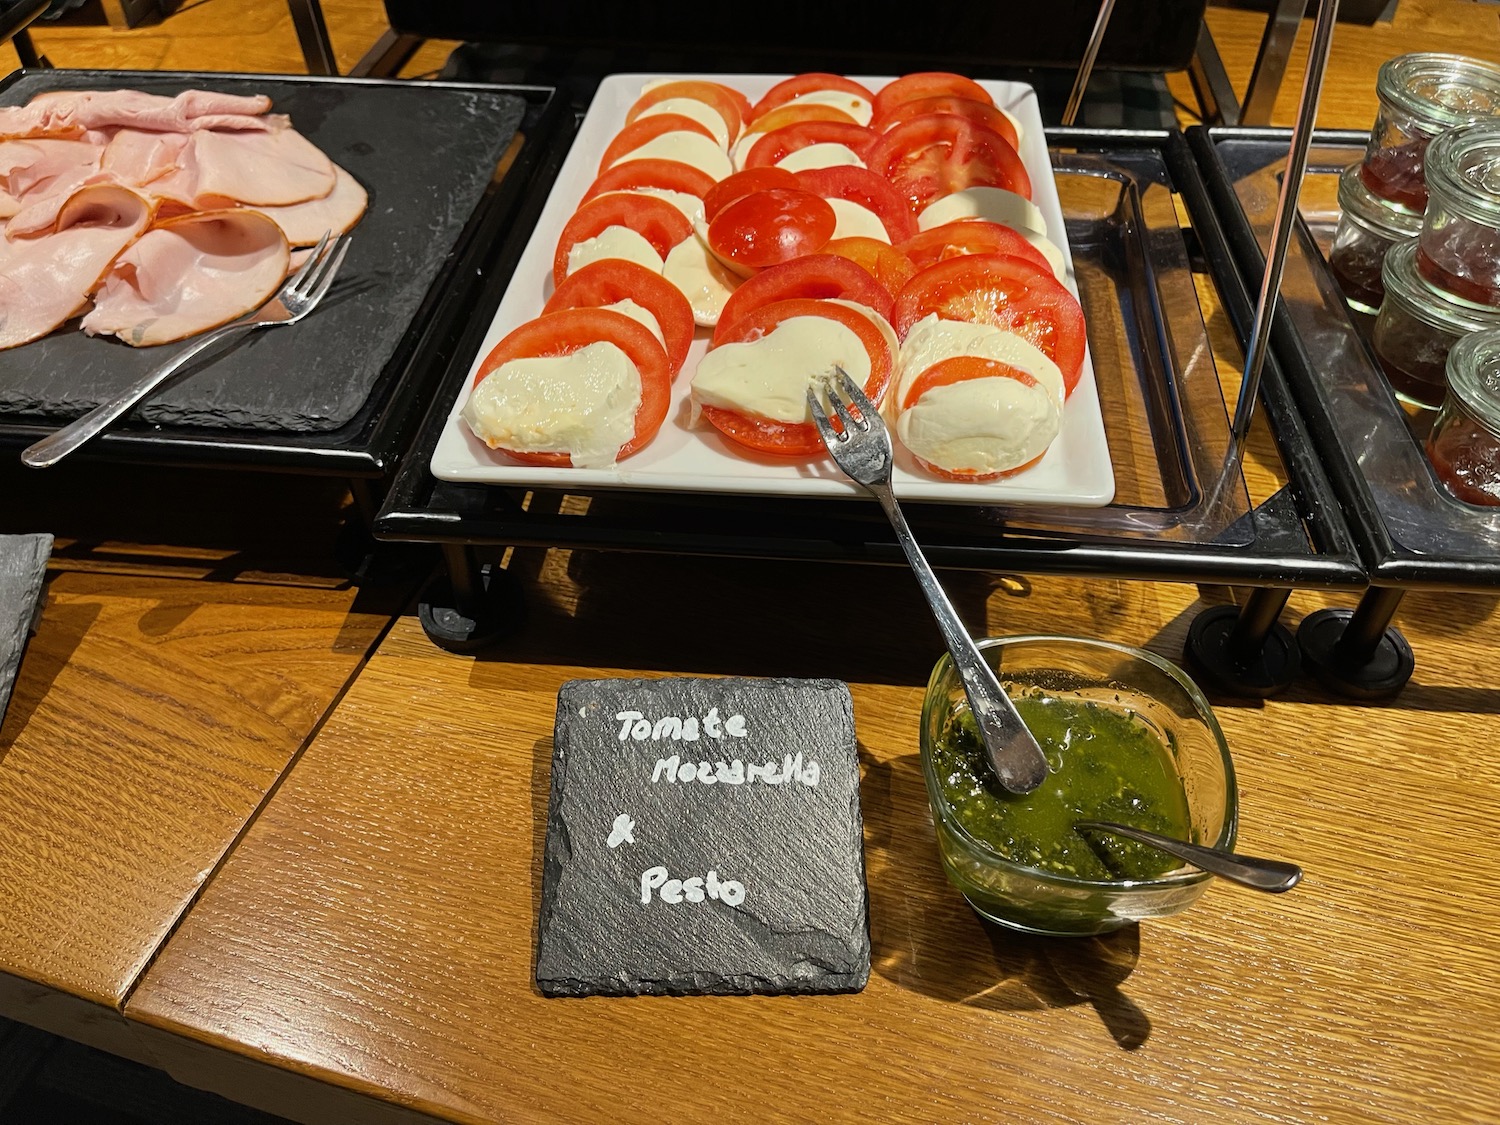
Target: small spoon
{"points": [[1251, 871]]}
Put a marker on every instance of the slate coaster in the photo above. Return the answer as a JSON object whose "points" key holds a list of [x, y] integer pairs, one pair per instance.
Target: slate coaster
{"points": [[424, 153], [704, 836], [23, 565]]}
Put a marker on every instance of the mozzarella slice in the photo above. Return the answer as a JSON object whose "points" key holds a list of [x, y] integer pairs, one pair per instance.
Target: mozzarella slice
{"points": [[583, 404], [741, 151], [701, 112], [856, 221], [986, 425], [931, 340], [640, 314], [1050, 251], [686, 202], [855, 106], [769, 377], [992, 203], [704, 280], [824, 154], [687, 148], [1016, 122], [614, 242], [880, 322]]}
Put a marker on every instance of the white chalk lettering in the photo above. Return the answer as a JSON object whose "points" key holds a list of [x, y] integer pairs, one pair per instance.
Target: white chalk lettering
{"points": [[793, 767], [665, 767], [676, 728], [734, 726], [669, 726], [641, 731], [627, 718], [651, 878], [688, 772], [674, 892], [731, 774], [706, 774]]}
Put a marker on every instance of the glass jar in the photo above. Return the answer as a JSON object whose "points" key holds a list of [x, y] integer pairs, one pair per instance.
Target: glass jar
{"points": [[1459, 248], [1368, 227], [1418, 325], [1464, 446], [1420, 96]]}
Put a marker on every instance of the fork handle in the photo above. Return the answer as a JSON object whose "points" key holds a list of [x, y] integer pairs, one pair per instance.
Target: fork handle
{"points": [[55, 446]]}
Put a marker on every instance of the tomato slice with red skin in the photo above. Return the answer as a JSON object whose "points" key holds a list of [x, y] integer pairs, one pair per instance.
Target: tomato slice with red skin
{"points": [[792, 88], [815, 276], [862, 186], [797, 439], [767, 228], [741, 184], [935, 155], [980, 113], [795, 113], [711, 94], [970, 236], [886, 263], [741, 102], [1009, 293], [778, 144], [563, 333], [650, 216], [647, 129], [928, 84], [959, 369], [668, 175], [613, 279]]}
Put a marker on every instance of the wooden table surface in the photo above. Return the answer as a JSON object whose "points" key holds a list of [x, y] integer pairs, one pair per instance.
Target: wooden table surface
{"points": [[336, 922]]}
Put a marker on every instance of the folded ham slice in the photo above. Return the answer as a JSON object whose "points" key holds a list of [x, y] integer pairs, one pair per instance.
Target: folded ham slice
{"points": [[71, 113], [336, 212], [45, 166], [263, 169], [188, 275], [44, 281]]}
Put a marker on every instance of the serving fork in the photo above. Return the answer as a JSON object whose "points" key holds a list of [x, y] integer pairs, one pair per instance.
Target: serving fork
{"points": [[297, 297], [861, 447]]}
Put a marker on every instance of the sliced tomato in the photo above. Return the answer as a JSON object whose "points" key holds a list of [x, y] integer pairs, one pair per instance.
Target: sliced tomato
{"points": [[669, 175], [1009, 293], [928, 84], [970, 236], [767, 228], [862, 186], [887, 264], [741, 184], [797, 439], [795, 113], [614, 279], [647, 129], [711, 94], [981, 113], [813, 276], [778, 144], [959, 369], [800, 84], [741, 102], [565, 332], [938, 154], [653, 218]]}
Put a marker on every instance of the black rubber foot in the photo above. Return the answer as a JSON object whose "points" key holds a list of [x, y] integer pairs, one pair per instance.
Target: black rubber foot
{"points": [[1207, 657], [498, 613], [1381, 677]]}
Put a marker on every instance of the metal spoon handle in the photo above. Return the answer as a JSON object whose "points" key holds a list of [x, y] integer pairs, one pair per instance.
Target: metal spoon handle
{"points": [[1249, 870]]}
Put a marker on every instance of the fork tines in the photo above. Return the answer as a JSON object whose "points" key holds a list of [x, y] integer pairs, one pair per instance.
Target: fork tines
{"points": [[860, 418]]}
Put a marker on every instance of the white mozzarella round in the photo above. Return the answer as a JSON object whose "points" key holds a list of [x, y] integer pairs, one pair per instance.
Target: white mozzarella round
{"points": [[769, 377], [855, 106], [687, 148], [686, 202], [741, 151], [887, 333], [640, 314], [857, 221], [1050, 251], [824, 154], [704, 280], [691, 108], [614, 242], [994, 204], [931, 340], [986, 425], [1016, 123]]}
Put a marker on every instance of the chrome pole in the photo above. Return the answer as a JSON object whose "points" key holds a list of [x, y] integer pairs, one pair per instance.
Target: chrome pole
{"points": [[1086, 67]]}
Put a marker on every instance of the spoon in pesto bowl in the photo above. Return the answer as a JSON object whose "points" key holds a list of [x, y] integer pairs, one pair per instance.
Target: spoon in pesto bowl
{"points": [[1247, 870]]}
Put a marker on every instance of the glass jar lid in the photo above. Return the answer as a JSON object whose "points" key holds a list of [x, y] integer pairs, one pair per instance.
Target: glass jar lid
{"points": [[1425, 301], [1389, 219], [1440, 91], [1463, 171], [1474, 377]]}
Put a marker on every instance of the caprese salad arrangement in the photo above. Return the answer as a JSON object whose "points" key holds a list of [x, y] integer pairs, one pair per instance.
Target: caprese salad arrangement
{"points": [[889, 233]]}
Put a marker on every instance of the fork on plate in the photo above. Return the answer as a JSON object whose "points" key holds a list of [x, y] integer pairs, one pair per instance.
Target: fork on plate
{"points": [[297, 297], [861, 447]]}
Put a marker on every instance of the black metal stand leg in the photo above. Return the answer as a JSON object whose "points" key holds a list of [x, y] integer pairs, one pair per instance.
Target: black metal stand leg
{"points": [[369, 562], [468, 606], [1244, 650], [1357, 653]]}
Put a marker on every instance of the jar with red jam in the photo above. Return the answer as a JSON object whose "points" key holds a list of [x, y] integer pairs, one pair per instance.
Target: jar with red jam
{"points": [[1459, 249], [1368, 227], [1464, 446], [1418, 325], [1421, 95]]}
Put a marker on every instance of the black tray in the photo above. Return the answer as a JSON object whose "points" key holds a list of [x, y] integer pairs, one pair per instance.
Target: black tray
{"points": [[332, 395], [1177, 518], [1410, 531]]}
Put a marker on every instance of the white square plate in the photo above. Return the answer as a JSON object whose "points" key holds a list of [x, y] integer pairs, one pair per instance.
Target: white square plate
{"points": [[1075, 470]]}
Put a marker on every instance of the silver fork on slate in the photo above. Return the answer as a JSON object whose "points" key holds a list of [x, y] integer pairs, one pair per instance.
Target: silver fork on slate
{"points": [[862, 448], [298, 296]]}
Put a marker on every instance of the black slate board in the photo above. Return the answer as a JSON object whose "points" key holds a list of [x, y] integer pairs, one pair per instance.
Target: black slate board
{"points": [[23, 565], [754, 882], [425, 154]]}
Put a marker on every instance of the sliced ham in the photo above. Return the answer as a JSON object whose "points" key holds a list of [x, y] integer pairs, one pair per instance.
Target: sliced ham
{"points": [[188, 275], [336, 212], [262, 169], [139, 157], [32, 169], [71, 113], [44, 281]]}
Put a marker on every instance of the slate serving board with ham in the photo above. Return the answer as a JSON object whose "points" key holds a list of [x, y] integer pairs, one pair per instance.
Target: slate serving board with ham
{"points": [[424, 154]]}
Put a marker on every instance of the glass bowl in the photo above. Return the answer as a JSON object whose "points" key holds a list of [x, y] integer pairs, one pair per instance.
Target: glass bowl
{"points": [[1130, 682]]}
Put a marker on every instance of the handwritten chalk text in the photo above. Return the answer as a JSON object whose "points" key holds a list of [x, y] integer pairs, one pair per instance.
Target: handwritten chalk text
{"points": [[635, 725], [736, 772], [674, 891]]}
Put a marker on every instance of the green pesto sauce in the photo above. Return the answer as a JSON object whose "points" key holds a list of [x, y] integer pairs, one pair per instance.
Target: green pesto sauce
{"points": [[1102, 765]]}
